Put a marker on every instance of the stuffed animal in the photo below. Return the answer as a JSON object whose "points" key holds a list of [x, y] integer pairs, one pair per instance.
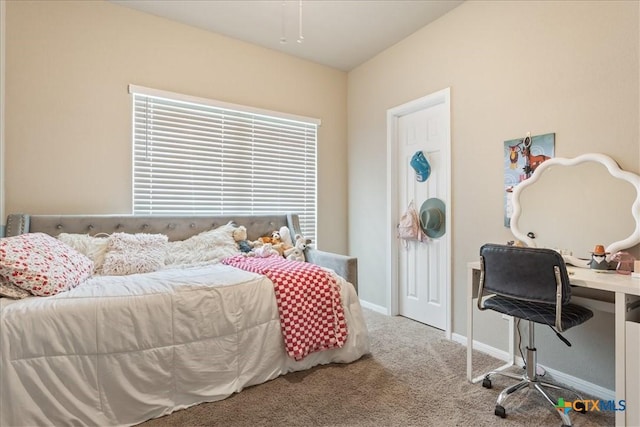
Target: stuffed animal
{"points": [[302, 241], [279, 247], [284, 240], [240, 236], [273, 238], [296, 253], [264, 251], [285, 235]]}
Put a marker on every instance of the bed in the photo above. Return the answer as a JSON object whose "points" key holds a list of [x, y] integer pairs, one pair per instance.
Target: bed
{"points": [[119, 350]]}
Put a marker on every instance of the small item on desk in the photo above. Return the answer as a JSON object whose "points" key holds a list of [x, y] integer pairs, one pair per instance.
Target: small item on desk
{"points": [[599, 259], [624, 262], [636, 270]]}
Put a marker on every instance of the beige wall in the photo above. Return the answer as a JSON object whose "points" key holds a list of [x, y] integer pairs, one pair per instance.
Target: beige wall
{"points": [[68, 113], [3, 8], [564, 67], [513, 67]]}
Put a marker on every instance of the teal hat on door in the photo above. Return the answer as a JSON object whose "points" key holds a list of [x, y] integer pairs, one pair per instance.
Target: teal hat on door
{"points": [[421, 165], [432, 217]]}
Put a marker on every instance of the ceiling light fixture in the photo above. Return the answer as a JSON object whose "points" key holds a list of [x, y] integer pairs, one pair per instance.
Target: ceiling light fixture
{"points": [[300, 36], [283, 26], [283, 37]]}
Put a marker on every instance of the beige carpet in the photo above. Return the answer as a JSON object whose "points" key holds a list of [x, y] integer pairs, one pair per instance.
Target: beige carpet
{"points": [[413, 377]]}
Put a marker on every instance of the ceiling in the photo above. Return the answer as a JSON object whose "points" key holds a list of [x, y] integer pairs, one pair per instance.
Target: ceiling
{"points": [[338, 33]]}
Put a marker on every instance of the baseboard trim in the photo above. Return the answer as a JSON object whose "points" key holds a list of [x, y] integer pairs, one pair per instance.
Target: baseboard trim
{"points": [[482, 347], [581, 385], [561, 377], [375, 307]]}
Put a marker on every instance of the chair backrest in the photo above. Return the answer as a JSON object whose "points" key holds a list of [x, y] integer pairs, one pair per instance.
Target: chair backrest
{"points": [[529, 274]]}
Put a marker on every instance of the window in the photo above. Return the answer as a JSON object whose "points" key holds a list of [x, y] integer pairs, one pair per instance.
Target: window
{"points": [[196, 156]]}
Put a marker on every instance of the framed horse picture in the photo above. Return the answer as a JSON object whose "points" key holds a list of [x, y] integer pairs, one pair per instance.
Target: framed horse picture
{"points": [[521, 158]]}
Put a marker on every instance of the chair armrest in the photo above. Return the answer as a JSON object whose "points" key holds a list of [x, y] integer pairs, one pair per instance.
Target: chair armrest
{"points": [[345, 266]]}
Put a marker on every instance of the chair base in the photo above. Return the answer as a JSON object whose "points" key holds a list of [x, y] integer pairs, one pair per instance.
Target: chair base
{"points": [[532, 382]]}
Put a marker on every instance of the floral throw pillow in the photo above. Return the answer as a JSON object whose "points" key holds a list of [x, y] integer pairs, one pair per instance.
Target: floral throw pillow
{"points": [[11, 291], [41, 264], [134, 253]]}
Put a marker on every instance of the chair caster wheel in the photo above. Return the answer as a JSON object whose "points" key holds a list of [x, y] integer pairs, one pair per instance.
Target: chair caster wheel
{"points": [[486, 383], [580, 407], [500, 411]]}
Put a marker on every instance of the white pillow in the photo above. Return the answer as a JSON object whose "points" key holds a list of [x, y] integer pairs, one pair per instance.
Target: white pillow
{"points": [[134, 253], [210, 246], [41, 264], [95, 248]]}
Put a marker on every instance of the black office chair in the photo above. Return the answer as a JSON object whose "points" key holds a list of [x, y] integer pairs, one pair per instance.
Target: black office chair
{"points": [[530, 284]]}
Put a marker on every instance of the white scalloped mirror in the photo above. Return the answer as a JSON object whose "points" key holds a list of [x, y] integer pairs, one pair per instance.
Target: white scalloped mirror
{"points": [[574, 204]]}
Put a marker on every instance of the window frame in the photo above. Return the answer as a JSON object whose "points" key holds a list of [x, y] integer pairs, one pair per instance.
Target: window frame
{"points": [[254, 120]]}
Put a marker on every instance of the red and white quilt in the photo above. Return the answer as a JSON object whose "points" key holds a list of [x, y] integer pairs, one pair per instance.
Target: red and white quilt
{"points": [[309, 304]]}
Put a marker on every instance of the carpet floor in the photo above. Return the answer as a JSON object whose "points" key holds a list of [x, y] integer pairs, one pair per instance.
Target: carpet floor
{"points": [[413, 377]]}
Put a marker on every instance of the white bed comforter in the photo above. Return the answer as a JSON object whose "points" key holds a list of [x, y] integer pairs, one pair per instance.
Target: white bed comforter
{"points": [[121, 350]]}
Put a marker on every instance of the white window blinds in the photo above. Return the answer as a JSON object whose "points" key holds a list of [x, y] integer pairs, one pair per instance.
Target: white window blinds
{"points": [[195, 156]]}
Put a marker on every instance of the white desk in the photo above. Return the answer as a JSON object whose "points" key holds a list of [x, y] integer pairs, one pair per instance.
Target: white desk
{"points": [[624, 296]]}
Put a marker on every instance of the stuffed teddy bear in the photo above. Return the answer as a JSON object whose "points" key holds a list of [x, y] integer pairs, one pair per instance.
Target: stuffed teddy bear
{"points": [[240, 236], [296, 253], [273, 238], [264, 251], [279, 243], [275, 241]]}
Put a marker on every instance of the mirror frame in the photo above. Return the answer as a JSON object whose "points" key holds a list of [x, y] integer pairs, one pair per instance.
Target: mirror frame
{"points": [[613, 169]]}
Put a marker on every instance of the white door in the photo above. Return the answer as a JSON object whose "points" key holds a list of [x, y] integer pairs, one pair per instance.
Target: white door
{"points": [[423, 269]]}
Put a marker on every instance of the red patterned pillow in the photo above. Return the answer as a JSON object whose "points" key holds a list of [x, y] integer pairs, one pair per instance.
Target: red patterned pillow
{"points": [[9, 290], [41, 264]]}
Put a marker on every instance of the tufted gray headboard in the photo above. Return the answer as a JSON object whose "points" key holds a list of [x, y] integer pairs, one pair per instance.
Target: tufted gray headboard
{"points": [[177, 228]]}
